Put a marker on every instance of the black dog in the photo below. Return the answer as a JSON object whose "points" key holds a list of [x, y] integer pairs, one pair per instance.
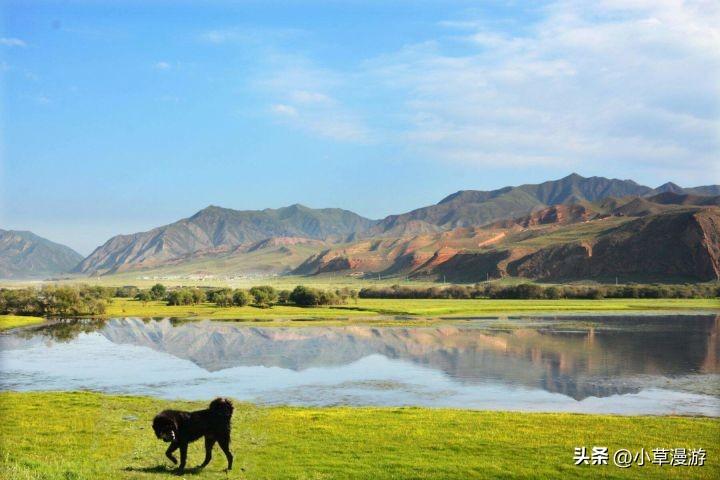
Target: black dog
{"points": [[180, 428]]}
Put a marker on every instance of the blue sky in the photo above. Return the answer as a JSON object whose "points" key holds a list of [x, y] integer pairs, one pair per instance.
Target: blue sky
{"points": [[119, 116]]}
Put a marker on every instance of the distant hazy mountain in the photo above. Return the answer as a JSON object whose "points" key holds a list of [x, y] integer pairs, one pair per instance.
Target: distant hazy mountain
{"points": [[26, 255], [474, 207], [670, 187], [217, 230]]}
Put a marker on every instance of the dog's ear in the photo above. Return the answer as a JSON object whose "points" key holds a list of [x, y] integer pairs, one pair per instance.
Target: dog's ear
{"points": [[222, 405]]}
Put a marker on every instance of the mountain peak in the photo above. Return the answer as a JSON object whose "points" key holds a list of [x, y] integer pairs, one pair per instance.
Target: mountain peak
{"points": [[295, 206], [208, 211], [670, 187]]}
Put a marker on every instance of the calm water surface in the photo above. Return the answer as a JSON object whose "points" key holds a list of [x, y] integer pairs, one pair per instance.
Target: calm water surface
{"points": [[608, 364]]}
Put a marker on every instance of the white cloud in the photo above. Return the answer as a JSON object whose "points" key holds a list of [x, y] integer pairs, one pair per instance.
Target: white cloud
{"points": [[219, 36], [247, 35], [321, 122], [307, 99], [284, 110], [303, 96], [12, 42], [592, 83], [603, 86], [42, 99], [162, 66]]}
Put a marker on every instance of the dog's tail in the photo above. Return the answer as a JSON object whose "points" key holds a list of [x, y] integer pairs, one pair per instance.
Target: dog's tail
{"points": [[222, 406]]}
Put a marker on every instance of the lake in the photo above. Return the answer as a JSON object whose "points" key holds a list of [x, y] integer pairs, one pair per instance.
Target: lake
{"points": [[625, 364]]}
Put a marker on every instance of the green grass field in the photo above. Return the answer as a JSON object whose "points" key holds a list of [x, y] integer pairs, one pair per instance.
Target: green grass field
{"points": [[366, 308], [93, 436], [13, 321]]}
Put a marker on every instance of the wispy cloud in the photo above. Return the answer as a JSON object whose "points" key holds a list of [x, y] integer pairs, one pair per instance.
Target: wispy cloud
{"points": [[220, 36], [592, 83], [321, 120], [284, 110], [41, 99], [12, 42], [596, 84], [162, 66], [305, 98], [247, 35]]}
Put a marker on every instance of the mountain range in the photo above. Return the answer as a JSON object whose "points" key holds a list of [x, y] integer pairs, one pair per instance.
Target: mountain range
{"points": [[571, 228], [216, 230], [26, 255]]}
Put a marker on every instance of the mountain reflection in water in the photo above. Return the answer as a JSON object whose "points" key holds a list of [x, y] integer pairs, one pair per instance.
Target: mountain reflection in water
{"points": [[578, 357]]}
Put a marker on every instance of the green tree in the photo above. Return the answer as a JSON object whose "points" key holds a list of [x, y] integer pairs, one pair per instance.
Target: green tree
{"points": [[241, 298], [264, 295], [223, 299], [304, 296], [127, 291], [158, 291], [143, 296], [182, 296], [283, 297]]}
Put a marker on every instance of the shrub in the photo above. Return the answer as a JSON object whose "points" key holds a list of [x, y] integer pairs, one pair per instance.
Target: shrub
{"points": [[158, 291], [535, 291], [283, 297], [264, 295], [143, 296], [241, 298], [55, 300], [223, 299], [304, 296], [218, 293], [185, 296], [128, 291]]}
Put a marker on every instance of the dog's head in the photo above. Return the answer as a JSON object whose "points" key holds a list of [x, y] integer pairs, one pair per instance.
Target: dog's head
{"points": [[165, 428]]}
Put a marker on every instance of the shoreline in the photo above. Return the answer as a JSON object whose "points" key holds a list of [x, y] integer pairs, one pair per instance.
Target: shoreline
{"points": [[339, 316]]}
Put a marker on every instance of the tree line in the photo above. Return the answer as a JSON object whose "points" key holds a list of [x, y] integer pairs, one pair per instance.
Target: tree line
{"points": [[263, 296], [80, 300], [551, 292], [53, 300]]}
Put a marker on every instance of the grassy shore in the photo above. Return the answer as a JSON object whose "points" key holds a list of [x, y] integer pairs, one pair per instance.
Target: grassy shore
{"points": [[365, 308], [13, 321], [90, 436]]}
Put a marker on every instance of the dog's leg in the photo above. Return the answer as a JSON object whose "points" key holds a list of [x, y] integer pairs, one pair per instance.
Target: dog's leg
{"points": [[169, 452], [209, 442], [224, 443], [183, 457]]}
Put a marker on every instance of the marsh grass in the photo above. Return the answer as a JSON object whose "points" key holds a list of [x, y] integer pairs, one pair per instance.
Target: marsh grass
{"points": [[13, 321], [367, 308], [92, 436]]}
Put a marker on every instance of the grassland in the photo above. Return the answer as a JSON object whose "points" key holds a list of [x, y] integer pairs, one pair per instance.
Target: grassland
{"points": [[367, 308], [13, 321], [91, 436]]}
